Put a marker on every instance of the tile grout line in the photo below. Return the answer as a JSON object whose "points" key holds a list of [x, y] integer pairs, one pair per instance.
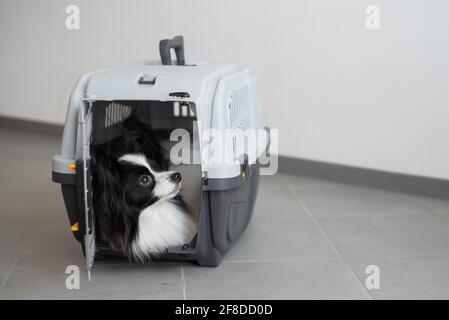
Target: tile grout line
{"points": [[183, 283], [326, 236], [278, 260], [419, 256], [11, 270]]}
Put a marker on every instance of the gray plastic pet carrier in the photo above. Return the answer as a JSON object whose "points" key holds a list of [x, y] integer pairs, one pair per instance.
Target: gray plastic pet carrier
{"points": [[192, 95]]}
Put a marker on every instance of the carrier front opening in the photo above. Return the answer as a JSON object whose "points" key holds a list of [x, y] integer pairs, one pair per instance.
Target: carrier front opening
{"points": [[117, 122]]}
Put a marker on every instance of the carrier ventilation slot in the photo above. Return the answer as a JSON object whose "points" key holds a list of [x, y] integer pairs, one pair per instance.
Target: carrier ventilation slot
{"points": [[115, 113], [238, 108], [182, 110]]}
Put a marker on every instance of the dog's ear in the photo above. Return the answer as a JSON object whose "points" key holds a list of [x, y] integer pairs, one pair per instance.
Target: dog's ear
{"points": [[111, 213], [134, 124], [156, 152], [139, 137]]}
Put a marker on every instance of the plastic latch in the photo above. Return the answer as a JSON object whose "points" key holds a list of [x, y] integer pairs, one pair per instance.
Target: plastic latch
{"points": [[75, 227]]}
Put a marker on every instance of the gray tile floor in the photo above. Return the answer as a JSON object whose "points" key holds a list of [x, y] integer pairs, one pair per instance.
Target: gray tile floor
{"points": [[308, 239]]}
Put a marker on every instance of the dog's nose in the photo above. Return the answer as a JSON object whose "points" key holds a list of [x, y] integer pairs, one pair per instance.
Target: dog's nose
{"points": [[176, 177]]}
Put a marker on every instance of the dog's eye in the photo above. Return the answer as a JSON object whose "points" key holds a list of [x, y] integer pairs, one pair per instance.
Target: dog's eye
{"points": [[145, 180]]}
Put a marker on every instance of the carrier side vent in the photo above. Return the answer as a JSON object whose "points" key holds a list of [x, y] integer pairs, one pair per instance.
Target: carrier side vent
{"points": [[116, 112], [238, 108], [182, 110]]}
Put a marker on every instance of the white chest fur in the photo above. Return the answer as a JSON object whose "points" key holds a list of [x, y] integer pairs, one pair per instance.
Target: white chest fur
{"points": [[162, 225]]}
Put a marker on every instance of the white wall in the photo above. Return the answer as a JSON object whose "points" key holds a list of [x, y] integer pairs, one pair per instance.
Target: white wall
{"points": [[337, 91]]}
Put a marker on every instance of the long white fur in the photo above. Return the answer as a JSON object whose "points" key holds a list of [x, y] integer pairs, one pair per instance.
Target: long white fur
{"points": [[163, 224]]}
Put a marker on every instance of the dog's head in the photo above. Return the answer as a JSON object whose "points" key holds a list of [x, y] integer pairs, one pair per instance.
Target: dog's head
{"points": [[142, 186]]}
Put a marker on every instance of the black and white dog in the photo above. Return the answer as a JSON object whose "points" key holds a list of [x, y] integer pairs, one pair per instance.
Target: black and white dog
{"points": [[137, 202]]}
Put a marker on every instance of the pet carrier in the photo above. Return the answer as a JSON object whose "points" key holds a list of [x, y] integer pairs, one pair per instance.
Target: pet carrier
{"points": [[198, 97]]}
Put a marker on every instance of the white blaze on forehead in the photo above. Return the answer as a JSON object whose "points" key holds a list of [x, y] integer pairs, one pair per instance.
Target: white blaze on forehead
{"points": [[136, 159]]}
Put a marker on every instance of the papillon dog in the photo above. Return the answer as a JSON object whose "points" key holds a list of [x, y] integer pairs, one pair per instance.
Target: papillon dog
{"points": [[137, 202]]}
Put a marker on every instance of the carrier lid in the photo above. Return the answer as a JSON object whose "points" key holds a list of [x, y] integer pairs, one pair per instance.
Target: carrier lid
{"points": [[191, 68], [150, 80]]}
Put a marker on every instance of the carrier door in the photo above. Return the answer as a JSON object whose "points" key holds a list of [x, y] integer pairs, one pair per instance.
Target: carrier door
{"points": [[85, 179]]}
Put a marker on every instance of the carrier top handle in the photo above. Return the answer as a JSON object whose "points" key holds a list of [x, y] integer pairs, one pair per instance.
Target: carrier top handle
{"points": [[176, 43]]}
